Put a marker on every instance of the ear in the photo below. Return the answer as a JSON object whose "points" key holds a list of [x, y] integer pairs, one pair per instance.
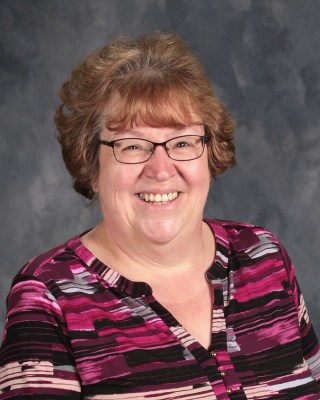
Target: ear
{"points": [[94, 183], [95, 188]]}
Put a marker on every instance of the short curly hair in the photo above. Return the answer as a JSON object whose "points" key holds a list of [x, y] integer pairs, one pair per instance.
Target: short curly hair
{"points": [[151, 79]]}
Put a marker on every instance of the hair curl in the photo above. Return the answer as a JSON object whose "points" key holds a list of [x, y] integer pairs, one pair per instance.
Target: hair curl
{"points": [[150, 79]]}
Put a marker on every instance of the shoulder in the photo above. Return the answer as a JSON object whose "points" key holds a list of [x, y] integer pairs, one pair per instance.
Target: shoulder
{"points": [[238, 228], [54, 264], [243, 235], [249, 247]]}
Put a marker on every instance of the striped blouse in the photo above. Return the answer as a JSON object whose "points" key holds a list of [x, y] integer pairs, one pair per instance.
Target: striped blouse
{"points": [[76, 329]]}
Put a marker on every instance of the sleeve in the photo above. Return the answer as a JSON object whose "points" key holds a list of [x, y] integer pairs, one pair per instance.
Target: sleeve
{"points": [[35, 358], [310, 344]]}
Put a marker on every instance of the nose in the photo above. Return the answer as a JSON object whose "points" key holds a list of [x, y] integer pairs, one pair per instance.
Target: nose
{"points": [[160, 166]]}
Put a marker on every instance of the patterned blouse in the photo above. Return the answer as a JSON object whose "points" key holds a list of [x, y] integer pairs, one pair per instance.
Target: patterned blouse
{"points": [[76, 329]]}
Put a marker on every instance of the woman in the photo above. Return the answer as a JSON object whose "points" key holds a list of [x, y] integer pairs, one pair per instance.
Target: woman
{"points": [[155, 302]]}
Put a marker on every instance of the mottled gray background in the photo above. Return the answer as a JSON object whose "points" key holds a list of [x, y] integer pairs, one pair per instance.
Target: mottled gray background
{"points": [[264, 59]]}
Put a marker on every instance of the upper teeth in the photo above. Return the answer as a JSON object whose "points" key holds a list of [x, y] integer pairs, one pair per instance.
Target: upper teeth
{"points": [[157, 197]]}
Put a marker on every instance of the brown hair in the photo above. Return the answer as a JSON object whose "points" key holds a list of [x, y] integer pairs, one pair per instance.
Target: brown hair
{"points": [[150, 79]]}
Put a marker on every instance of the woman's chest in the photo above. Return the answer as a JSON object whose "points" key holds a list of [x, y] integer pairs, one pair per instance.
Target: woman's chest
{"points": [[194, 313], [122, 343]]}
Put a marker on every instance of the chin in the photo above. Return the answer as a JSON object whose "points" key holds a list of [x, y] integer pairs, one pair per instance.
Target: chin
{"points": [[160, 232]]}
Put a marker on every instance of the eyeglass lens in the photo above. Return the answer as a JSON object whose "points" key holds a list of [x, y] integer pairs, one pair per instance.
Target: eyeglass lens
{"points": [[182, 148]]}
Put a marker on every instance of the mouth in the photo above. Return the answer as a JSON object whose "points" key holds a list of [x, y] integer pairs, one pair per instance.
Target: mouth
{"points": [[158, 198]]}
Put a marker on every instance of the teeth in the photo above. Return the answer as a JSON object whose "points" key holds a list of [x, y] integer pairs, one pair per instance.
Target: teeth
{"points": [[164, 197], [158, 198]]}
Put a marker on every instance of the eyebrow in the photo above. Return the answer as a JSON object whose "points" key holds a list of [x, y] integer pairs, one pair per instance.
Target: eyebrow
{"points": [[135, 133], [130, 132]]}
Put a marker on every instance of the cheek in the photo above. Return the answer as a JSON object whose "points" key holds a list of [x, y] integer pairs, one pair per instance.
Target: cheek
{"points": [[115, 180], [200, 175]]}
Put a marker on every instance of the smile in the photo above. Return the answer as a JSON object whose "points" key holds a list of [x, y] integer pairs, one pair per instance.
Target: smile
{"points": [[158, 198]]}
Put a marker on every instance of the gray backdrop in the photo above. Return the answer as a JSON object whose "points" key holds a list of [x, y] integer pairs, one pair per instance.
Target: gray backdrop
{"points": [[262, 56]]}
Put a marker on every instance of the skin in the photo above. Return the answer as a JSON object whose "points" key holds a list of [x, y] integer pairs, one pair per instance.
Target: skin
{"points": [[166, 245], [148, 224]]}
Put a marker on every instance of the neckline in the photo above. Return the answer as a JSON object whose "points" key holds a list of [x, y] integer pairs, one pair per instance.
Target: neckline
{"points": [[217, 270]]}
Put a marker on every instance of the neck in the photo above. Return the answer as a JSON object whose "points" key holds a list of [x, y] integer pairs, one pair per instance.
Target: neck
{"points": [[137, 258]]}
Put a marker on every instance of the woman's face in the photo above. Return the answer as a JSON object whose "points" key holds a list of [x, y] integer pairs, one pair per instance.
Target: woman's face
{"points": [[124, 188]]}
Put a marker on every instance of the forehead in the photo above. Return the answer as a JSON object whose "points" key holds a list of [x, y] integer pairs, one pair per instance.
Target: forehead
{"points": [[122, 113]]}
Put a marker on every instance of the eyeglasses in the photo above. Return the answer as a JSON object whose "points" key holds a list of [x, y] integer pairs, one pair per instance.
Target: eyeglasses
{"points": [[136, 151]]}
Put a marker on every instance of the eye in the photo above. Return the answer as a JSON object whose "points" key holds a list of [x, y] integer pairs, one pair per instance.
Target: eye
{"points": [[183, 143], [131, 147]]}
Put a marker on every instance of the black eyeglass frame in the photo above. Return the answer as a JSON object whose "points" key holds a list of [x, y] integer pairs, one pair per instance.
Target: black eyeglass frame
{"points": [[205, 140]]}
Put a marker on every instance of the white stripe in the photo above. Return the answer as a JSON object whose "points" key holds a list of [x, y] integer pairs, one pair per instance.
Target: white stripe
{"points": [[264, 252], [291, 384]]}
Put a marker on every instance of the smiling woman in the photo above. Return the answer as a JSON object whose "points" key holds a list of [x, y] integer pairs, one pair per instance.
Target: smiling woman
{"points": [[152, 80], [155, 302]]}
